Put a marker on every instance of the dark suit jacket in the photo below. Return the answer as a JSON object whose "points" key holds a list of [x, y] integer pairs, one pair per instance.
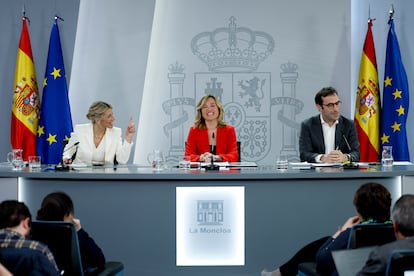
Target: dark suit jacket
{"points": [[311, 142], [377, 260]]}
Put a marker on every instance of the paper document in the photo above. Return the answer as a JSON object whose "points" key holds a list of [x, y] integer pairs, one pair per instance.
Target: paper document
{"points": [[220, 164], [242, 164], [300, 165], [326, 165]]}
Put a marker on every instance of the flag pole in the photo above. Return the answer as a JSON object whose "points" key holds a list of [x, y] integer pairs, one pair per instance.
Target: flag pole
{"points": [[58, 17], [391, 12]]}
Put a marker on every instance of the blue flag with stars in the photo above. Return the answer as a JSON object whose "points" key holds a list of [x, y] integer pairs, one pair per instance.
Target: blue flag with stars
{"points": [[55, 124], [395, 100]]}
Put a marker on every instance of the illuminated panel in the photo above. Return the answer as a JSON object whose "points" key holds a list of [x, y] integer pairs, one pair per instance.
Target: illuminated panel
{"points": [[210, 226]]}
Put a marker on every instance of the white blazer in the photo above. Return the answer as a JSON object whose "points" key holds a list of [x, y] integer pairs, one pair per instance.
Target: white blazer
{"points": [[114, 145]]}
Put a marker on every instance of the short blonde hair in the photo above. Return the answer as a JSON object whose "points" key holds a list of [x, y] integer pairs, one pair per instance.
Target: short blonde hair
{"points": [[96, 110], [199, 121]]}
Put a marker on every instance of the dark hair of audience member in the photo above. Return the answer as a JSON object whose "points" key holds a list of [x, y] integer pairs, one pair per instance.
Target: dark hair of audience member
{"points": [[55, 206], [12, 212], [373, 201]]}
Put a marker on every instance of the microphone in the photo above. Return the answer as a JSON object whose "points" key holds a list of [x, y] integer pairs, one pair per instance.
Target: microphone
{"points": [[62, 166], [71, 147], [213, 143], [350, 164], [212, 166], [347, 144]]}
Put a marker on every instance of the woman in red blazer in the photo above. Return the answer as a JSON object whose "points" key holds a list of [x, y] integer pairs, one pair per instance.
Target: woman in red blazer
{"points": [[210, 137]]}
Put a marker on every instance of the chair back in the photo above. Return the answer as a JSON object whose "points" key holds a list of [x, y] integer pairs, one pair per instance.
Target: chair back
{"points": [[62, 239], [370, 234], [350, 261], [399, 262]]}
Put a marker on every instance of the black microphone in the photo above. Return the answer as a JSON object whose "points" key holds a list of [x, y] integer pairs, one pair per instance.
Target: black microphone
{"points": [[62, 166], [350, 165], [347, 144], [212, 166]]}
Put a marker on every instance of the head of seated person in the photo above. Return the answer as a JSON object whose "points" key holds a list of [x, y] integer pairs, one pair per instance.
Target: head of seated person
{"points": [[56, 206], [372, 202], [19, 253]]}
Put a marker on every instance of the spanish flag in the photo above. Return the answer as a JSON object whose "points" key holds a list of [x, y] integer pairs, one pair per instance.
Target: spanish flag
{"points": [[25, 108], [367, 107]]}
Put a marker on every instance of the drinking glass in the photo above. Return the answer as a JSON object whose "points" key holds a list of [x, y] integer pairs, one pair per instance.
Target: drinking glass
{"points": [[156, 159], [185, 163], [35, 163], [282, 162], [386, 158]]}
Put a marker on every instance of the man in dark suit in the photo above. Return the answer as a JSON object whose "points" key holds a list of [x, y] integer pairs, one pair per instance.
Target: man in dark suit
{"points": [[328, 137], [403, 222]]}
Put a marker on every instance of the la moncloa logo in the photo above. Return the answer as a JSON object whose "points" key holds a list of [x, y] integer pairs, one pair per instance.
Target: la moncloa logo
{"points": [[210, 212]]}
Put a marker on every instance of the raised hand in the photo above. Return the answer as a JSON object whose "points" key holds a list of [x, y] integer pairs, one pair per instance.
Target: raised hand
{"points": [[130, 130]]}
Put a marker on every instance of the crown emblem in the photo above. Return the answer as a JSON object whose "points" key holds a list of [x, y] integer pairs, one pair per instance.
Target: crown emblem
{"points": [[232, 49]]}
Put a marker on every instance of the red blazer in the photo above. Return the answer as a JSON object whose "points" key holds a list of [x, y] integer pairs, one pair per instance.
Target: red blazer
{"points": [[226, 143]]}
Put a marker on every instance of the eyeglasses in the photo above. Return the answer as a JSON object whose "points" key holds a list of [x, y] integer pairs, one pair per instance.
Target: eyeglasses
{"points": [[331, 105]]}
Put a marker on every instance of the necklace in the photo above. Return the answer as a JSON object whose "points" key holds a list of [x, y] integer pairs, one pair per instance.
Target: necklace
{"points": [[99, 136]]}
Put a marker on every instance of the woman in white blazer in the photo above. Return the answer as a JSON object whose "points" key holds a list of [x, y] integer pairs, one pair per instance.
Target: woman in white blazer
{"points": [[99, 142]]}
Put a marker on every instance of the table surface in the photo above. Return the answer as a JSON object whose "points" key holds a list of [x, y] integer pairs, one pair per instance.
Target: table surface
{"points": [[129, 172]]}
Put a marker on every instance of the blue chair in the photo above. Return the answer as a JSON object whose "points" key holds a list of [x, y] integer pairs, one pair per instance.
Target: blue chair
{"points": [[369, 234], [62, 240], [399, 262]]}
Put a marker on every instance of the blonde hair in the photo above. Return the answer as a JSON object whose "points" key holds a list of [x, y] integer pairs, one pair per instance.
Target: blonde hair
{"points": [[96, 110], [199, 121]]}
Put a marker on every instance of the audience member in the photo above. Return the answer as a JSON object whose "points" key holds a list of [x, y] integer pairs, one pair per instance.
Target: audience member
{"points": [[99, 142], [403, 223], [328, 137], [58, 206], [15, 220], [372, 202], [211, 137]]}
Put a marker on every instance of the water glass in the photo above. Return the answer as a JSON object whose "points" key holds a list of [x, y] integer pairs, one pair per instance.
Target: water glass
{"points": [[156, 159], [35, 163], [386, 158], [282, 162], [185, 163]]}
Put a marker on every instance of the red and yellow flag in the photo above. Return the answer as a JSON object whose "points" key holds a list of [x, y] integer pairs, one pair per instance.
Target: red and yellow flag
{"points": [[25, 108], [367, 108]]}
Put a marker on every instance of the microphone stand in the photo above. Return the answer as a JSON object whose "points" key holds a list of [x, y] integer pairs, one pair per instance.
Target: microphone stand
{"points": [[62, 166], [212, 166]]}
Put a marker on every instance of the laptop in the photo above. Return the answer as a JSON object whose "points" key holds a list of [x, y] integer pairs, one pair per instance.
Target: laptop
{"points": [[349, 262]]}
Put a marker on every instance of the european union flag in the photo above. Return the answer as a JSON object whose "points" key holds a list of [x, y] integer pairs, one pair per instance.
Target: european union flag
{"points": [[395, 100], [55, 124]]}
